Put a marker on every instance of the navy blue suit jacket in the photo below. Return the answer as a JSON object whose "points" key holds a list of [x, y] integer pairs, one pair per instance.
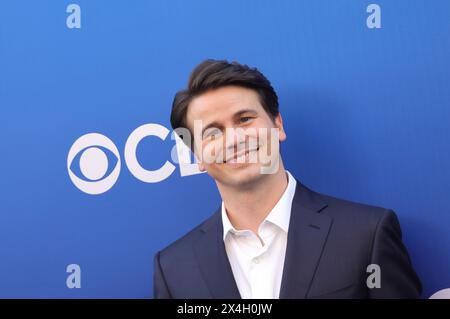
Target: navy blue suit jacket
{"points": [[330, 244]]}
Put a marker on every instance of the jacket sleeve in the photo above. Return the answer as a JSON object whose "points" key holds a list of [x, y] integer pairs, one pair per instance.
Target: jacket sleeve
{"points": [[160, 289], [398, 278]]}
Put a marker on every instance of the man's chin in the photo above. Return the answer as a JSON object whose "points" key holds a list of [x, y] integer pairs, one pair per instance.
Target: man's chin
{"points": [[243, 176]]}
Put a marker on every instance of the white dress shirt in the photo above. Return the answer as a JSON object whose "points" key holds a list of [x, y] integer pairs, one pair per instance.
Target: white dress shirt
{"points": [[257, 265]]}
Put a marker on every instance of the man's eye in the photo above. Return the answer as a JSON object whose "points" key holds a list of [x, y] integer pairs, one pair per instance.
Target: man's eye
{"points": [[211, 133], [245, 119]]}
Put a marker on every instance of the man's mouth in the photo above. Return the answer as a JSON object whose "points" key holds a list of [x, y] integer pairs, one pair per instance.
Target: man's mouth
{"points": [[240, 157]]}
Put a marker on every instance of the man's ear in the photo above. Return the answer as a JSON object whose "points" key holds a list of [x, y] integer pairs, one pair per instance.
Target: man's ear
{"points": [[279, 124]]}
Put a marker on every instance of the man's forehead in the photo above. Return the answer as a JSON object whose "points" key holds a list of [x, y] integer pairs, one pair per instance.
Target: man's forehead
{"points": [[222, 104]]}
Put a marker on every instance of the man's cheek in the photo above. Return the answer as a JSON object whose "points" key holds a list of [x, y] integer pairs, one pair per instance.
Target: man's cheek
{"points": [[211, 154], [269, 155]]}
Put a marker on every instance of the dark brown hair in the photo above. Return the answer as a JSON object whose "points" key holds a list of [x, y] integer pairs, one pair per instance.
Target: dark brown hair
{"points": [[213, 74]]}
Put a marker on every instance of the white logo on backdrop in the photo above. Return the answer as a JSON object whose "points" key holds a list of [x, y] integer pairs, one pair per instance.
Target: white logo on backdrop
{"points": [[441, 294], [94, 162]]}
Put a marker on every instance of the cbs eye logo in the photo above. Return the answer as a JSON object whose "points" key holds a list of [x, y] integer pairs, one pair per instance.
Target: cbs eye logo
{"points": [[91, 152]]}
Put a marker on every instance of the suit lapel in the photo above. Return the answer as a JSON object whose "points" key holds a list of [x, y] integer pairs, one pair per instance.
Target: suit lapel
{"points": [[213, 261], [307, 235]]}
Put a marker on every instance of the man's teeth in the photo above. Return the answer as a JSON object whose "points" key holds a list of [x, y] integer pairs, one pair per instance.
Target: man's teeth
{"points": [[240, 158]]}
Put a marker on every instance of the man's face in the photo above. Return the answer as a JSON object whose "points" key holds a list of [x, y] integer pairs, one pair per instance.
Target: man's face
{"points": [[236, 137]]}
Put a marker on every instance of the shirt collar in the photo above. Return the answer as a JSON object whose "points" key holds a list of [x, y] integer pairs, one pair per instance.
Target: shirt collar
{"points": [[279, 215]]}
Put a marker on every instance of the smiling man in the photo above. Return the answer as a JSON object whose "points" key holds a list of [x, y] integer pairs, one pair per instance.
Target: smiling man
{"points": [[271, 237]]}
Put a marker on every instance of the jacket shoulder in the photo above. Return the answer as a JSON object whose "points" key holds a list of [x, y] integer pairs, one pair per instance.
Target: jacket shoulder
{"points": [[343, 210], [182, 247]]}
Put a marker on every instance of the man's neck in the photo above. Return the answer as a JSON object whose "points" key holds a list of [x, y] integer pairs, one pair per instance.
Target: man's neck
{"points": [[247, 208]]}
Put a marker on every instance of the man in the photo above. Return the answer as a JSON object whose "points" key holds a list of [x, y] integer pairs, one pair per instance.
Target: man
{"points": [[271, 237]]}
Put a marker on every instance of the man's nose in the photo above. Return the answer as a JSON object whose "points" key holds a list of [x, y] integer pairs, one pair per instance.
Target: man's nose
{"points": [[235, 139]]}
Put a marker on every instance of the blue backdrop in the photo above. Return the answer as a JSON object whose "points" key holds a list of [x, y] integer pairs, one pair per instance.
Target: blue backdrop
{"points": [[366, 112]]}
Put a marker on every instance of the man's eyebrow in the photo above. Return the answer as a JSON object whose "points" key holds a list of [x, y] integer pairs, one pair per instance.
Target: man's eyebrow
{"points": [[235, 116], [239, 113], [210, 125]]}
